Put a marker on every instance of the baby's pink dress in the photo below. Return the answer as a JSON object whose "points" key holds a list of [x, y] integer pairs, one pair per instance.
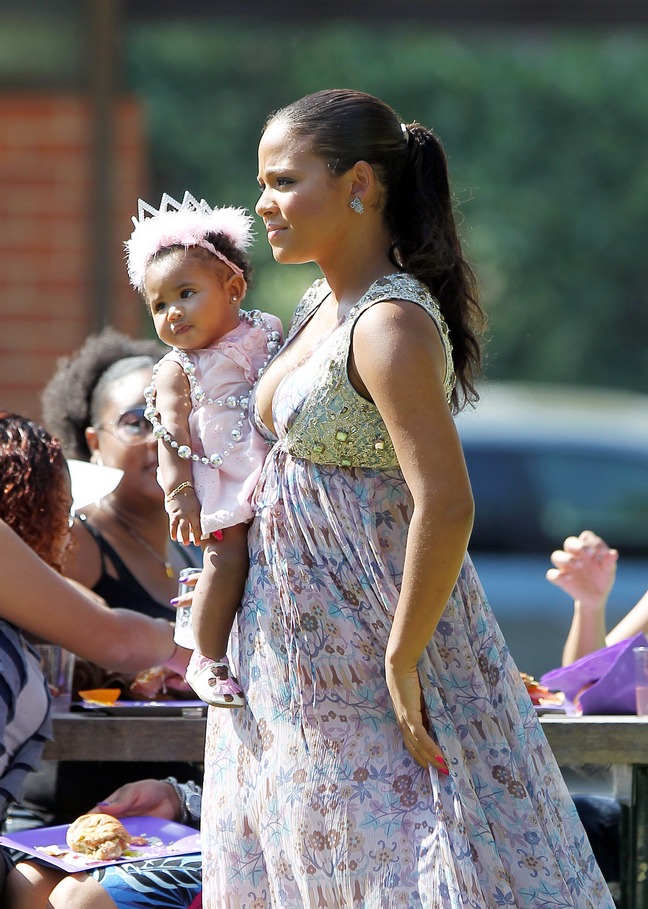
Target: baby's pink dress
{"points": [[228, 369]]}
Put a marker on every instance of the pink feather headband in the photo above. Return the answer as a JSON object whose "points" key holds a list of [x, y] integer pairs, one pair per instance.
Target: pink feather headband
{"points": [[185, 223]]}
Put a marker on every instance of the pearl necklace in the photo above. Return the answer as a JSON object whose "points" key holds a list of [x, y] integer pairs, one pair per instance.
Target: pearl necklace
{"points": [[241, 403]]}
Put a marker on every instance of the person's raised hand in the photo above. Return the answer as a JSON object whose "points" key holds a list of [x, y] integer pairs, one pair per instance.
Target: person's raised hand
{"points": [[585, 568]]}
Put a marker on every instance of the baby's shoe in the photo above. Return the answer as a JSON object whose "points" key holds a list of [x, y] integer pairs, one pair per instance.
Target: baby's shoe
{"points": [[213, 682]]}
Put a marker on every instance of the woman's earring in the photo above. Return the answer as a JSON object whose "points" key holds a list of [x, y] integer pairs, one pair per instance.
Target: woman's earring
{"points": [[356, 205], [234, 298]]}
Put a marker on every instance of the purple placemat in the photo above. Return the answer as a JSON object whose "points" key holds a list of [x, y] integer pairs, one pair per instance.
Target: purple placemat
{"points": [[168, 838]]}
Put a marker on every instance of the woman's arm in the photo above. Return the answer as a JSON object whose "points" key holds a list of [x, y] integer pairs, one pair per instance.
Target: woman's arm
{"points": [[40, 601], [585, 568], [400, 360], [632, 623]]}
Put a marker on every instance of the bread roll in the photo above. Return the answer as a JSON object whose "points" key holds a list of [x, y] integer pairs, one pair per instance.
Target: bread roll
{"points": [[100, 836]]}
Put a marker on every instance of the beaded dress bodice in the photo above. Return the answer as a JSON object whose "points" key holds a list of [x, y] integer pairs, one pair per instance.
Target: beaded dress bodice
{"points": [[335, 424]]}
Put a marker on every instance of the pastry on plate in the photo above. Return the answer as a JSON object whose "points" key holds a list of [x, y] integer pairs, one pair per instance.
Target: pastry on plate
{"points": [[99, 836]]}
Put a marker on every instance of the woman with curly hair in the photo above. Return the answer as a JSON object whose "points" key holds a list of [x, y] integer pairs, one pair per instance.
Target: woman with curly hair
{"points": [[35, 488], [35, 501]]}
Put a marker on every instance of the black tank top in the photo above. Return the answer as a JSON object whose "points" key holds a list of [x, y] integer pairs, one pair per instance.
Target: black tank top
{"points": [[125, 591]]}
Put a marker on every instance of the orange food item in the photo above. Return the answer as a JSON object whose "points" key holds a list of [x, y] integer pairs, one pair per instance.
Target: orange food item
{"points": [[540, 695], [102, 696]]}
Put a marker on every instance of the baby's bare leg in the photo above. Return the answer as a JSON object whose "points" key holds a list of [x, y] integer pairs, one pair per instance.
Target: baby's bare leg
{"points": [[219, 590]]}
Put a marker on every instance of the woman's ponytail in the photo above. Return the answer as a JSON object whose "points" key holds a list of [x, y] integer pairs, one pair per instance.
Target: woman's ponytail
{"points": [[420, 215]]}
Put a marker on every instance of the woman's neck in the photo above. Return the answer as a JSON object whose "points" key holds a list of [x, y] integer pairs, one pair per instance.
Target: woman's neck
{"points": [[350, 273]]}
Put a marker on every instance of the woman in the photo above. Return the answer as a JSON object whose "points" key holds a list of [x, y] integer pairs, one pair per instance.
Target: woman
{"points": [[171, 882], [388, 754], [585, 568], [35, 506], [95, 404]]}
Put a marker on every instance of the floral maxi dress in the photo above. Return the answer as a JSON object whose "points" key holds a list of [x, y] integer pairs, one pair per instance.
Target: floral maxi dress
{"points": [[311, 800]]}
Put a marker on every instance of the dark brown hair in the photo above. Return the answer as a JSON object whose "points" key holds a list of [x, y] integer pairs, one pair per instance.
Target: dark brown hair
{"points": [[346, 126], [75, 395], [32, 492]]}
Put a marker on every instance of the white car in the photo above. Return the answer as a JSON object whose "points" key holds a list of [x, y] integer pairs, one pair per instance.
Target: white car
{"points": [[545, 462]]}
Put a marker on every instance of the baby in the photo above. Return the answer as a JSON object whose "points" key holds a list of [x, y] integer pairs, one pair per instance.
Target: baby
{"points": [[190, 263]]}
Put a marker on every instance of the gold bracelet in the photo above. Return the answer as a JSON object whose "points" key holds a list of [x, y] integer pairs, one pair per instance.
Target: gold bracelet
{"points": [[174, 492]]}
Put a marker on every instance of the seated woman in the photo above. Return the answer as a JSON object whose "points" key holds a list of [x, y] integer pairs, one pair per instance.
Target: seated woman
{"points": [[585, 568], [35, 499], [36, 601], [165, 883], [94, 403]]}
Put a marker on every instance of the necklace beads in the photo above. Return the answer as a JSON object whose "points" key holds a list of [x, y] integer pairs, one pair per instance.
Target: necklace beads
{"points": [[241, 403]]}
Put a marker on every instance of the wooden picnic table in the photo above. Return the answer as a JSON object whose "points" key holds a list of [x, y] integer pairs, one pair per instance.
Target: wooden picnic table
{"points": [[616, 740]]}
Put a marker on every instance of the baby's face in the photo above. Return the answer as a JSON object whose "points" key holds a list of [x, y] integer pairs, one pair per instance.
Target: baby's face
{"points": [[193, 302]]}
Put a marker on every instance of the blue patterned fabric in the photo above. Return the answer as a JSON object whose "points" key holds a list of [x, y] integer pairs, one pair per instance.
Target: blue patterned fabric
{"points": [[166, 883]]}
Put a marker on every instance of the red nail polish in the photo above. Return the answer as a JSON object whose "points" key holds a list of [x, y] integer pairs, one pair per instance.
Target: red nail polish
{"points": [[443, 767]]}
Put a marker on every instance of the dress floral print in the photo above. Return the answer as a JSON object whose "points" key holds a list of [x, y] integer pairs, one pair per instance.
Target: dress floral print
{"points": [[311, 799]]}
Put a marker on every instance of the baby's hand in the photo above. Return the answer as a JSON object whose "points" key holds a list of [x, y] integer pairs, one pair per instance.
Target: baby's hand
{"points": [[184, 517]]}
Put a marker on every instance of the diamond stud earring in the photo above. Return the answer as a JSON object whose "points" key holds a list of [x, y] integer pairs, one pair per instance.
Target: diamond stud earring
{"points": [[356, 205]]}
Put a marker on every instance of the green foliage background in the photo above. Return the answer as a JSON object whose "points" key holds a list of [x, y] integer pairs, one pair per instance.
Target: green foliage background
{"points": [[547, 138]]}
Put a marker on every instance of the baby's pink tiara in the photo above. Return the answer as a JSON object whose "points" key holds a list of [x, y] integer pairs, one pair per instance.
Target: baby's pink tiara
{"points": [[185, 223]]}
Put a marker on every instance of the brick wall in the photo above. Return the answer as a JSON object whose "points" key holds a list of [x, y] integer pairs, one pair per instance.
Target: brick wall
{"points": [[46, 273]]}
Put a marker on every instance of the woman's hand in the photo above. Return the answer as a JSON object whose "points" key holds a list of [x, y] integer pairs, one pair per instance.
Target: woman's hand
{"points": [[405, 691], [152, 797], [585, 569]]}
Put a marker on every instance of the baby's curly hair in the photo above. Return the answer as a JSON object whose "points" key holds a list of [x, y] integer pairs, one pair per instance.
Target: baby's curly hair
{"points": [[71, 398], [33, 500]]}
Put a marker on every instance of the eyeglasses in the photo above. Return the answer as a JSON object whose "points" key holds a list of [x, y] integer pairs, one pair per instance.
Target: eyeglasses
{"points": [[131, 427]]}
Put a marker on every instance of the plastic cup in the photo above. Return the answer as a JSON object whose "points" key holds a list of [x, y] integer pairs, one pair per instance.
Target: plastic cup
{"points": [[58, 669], [641, 679], [183, 632]]}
